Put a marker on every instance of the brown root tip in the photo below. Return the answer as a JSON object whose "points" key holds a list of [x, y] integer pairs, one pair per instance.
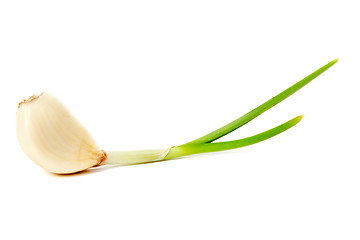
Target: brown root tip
{"points": [[102, 157], [33, 97]]}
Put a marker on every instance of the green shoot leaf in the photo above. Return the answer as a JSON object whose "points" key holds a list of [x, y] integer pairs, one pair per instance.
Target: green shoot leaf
{"points": [[259, 110], [190, 149]]}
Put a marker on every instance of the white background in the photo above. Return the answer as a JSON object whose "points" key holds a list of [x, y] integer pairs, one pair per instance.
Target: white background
{"points": [[153, 74]]}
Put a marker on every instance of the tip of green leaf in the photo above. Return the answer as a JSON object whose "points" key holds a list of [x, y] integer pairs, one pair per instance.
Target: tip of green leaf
{"points": [[298, 118], [330, 64]]}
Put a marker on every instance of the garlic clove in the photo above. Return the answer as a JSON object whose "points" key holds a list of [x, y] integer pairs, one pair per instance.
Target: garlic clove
{"points": [[53, 138]]}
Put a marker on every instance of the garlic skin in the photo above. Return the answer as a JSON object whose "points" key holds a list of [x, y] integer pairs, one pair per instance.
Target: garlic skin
{"points": [[53, 138]]}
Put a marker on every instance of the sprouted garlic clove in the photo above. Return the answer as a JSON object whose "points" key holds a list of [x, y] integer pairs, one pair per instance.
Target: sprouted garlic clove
{"points": [[55, 140]]}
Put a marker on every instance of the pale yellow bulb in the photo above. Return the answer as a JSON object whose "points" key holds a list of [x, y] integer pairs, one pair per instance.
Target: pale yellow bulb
{"points": [[53, 138]]}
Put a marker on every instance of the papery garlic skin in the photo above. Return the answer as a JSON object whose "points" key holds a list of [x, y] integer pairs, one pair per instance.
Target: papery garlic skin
{"points": [[53, 138]]}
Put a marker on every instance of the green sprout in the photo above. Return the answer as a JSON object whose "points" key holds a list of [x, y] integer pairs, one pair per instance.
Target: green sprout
{"points": [[56, 141], [205, 143]]}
